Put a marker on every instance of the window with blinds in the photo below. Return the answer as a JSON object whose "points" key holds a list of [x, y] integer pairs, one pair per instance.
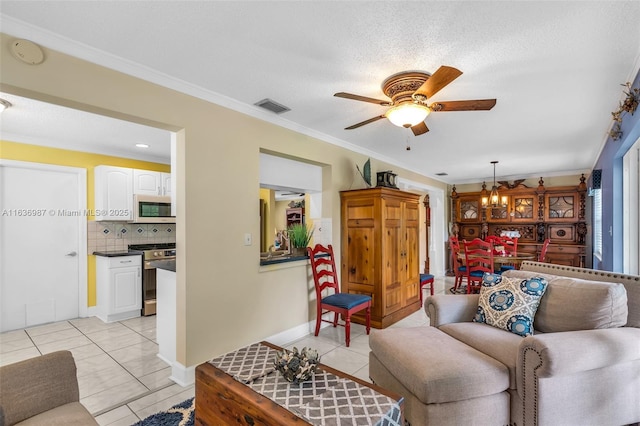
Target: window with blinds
{"points": [[597, 223]]}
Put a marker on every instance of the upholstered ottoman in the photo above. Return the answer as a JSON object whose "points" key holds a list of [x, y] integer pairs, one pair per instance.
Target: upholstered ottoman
{"points": [[444, 381]]}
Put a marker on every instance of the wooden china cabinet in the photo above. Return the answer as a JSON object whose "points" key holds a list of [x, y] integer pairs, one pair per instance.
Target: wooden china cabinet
{"points": [[380, 251], [557, 213]]}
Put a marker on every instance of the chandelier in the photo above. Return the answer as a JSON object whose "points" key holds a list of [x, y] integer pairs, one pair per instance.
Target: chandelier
{"points": [[494, 200]]}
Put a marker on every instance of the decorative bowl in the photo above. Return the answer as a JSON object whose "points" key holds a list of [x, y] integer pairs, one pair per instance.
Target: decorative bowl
{"points": [[297, 367]]}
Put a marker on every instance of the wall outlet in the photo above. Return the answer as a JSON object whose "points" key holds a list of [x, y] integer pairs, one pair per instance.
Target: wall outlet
{"points": [[247, 239]]}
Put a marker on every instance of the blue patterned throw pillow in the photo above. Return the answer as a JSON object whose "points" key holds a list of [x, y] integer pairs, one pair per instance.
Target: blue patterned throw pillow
{"points": [[510, 303]]}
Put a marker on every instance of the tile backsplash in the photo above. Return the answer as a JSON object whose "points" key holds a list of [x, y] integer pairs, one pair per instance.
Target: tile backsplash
{"points": [[110, 236]]}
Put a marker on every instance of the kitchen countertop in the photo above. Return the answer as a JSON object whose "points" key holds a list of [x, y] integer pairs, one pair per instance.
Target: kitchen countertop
{"points": [[116, 253], [168, 265]]}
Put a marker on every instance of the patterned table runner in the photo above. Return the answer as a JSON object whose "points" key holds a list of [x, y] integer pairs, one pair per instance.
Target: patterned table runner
{"points": [[326, 400]]}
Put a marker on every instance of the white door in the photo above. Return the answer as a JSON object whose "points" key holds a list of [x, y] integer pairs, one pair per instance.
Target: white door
{"points": [[42, 244]]}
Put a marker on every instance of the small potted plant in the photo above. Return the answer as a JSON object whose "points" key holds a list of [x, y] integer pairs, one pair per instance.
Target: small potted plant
{"points": [[299, 237]]}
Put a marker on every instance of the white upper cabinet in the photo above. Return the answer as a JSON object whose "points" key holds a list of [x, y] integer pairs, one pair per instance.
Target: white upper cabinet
{"points": [[166, 184], [113, 193], [146, 182]]}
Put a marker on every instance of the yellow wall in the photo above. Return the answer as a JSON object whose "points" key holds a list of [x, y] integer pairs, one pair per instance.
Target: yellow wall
{"points": [[224, 299], [84, 160]]}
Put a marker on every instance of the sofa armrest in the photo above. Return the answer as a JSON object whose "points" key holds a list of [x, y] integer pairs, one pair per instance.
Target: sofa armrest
{"points": [[36, 385], [555, 354], [445, 309], [558, 377]]}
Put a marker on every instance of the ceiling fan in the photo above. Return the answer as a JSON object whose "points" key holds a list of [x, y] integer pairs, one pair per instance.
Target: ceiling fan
{"points": [[409, 91]]}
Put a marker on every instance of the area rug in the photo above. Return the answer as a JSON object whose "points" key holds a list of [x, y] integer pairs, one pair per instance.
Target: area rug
{"points": [[461, 290], [178, 415]]}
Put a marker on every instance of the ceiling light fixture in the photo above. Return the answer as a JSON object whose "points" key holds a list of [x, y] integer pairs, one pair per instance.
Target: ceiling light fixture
{"points": [[4, 105], [142, 145], [494, 199], [407, 114]]}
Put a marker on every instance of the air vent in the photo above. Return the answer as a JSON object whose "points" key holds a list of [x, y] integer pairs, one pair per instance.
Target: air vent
{"points": [[442, 174], [272, 106]]}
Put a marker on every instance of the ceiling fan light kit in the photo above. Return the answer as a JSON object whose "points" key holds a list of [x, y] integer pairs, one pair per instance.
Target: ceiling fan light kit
{"points": [[407, 114], [409, 91]]}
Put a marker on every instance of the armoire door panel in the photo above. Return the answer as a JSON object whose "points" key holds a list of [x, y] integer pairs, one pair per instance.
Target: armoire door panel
{"points": [[360, 264]]}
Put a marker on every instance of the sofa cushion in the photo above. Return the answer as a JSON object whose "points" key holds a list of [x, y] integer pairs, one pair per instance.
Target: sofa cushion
{"points": [[498, 344], [70, 414], [510, 303], [435, 367], [572, 304]]}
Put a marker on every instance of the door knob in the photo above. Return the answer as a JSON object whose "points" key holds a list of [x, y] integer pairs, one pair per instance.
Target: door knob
{"points": [[71, 254]]}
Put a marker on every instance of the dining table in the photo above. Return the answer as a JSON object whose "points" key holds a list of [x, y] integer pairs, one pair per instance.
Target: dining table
{"points": [[507, 259]]}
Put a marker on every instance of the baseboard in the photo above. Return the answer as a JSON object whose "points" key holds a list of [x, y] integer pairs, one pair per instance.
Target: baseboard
{"points": [[298, 332], [184, 376]]}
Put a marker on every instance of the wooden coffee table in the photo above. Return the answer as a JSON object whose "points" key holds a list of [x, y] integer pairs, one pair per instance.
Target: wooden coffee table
{"points": [[256, 397]]}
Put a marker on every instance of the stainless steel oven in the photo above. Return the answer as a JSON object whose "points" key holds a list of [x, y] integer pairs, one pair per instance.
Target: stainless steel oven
{"points": [[151, 252]]}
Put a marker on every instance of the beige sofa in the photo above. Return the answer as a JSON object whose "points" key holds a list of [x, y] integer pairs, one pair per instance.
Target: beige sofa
{"points": [[581, 367], [42, 391]]}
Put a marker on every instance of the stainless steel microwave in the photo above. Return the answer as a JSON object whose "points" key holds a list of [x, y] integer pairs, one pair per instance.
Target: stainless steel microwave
{"points": [[152, 209]]}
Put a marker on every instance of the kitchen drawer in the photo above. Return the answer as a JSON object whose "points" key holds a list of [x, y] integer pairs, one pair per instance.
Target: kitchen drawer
{"points": [[124, 261]]}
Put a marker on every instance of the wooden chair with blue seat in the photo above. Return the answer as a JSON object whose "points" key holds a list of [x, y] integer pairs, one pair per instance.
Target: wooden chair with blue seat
{"points": [[426, 279], [478, 257], [345, 304], [510, 245], [543, 252], [459, 271]]}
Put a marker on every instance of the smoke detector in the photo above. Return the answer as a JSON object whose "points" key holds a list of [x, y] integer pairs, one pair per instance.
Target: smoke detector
{"points": [[27, 51]]}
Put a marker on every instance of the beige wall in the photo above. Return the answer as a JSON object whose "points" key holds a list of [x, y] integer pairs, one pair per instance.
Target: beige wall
{"points": [[551, 181], [224, 301]]}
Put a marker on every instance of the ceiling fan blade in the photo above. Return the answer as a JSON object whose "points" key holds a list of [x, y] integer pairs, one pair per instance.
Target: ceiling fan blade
{"points": [[362, 98], [371, 120], [474, 105], [439, 79], [419, 129]]}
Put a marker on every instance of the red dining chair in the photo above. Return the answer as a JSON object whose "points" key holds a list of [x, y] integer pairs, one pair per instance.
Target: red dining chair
{"points": [[478, 257], [459, 270], [494, 240], [426, 279], [511, 249], [543, 251], [345, 304]]}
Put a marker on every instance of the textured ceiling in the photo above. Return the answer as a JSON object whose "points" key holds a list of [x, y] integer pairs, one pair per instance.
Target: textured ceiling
{"points": [[554, 67]]}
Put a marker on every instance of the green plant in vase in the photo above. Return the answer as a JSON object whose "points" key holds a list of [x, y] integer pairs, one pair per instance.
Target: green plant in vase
{"points": [[299, 237]]}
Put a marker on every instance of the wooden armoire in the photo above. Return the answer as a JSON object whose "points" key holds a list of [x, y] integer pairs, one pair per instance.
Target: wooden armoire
{"points": [[380, 251]]}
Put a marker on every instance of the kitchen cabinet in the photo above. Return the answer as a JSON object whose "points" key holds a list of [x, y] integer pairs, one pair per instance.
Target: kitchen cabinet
{"points": [[380, 251], [113, 193], [148, 182], [118, 287]]}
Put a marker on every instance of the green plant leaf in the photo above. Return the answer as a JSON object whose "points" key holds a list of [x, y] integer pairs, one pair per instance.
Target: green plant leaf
{"points": [[299, 235]]}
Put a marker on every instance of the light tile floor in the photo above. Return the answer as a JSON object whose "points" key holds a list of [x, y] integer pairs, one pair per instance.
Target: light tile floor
{"points": [[122, 380]]}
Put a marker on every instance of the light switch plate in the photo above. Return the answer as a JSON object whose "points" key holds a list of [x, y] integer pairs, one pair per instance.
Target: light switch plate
{"points": [[247, 239]]}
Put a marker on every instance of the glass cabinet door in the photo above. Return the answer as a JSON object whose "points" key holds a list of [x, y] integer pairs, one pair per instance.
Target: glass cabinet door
{"points": [[523, 208], [495, 214], [561, 207], [469, 210]]}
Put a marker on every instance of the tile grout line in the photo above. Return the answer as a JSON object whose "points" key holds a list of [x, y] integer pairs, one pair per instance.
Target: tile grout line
{"points": [[142, 395]]}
